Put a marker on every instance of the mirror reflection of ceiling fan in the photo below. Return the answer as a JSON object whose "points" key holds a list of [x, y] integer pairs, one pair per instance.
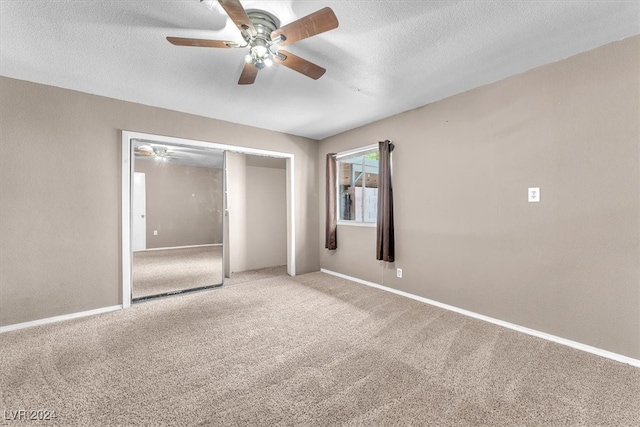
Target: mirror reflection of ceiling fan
{"points": [[158, 152], [263, 36]]}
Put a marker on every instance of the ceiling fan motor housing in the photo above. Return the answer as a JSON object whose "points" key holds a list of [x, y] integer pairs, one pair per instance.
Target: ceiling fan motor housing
{"points": [[264, 22], [260, 53]]}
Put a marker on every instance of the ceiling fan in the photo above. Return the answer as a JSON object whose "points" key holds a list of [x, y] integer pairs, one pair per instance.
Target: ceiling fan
{"points": [[160, 153], [264, 37]]}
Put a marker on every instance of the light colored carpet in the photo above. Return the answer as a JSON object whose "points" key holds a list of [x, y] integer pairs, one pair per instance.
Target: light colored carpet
{"points": [[313, 350], [258, 274], [169, 270]]}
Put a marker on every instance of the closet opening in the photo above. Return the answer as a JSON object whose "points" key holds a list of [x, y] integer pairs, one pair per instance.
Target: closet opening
{"points": [[190, 222]]}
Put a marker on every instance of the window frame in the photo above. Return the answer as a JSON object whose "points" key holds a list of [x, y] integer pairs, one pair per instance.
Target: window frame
{"points": [[343, 155]]}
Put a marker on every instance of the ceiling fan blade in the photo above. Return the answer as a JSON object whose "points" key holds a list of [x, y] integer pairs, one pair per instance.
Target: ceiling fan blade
{"points": [[300, 65], [316, 23], [142, 153], [143, 150], [248, 76], [238, 15], [179, 41]]}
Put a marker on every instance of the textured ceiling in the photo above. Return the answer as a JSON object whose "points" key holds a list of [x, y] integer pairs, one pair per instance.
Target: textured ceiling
{"points": [[385, 57]]}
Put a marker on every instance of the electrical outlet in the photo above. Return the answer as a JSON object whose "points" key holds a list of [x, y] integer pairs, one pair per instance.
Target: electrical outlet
{"points": [[399, 273], [534, 195], [155, 232]]}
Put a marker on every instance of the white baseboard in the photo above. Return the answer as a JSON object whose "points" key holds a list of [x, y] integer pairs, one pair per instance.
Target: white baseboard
{"points": [[181, 247], [59, 318], [589, 349]]}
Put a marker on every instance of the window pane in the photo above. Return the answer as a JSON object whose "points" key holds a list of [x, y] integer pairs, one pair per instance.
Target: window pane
{"points": [[358, 188], [350, 171], [371, 187]]}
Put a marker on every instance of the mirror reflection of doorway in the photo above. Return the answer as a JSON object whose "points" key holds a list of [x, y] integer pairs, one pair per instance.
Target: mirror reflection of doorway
{"points": [[177, 219], [256, 240]]}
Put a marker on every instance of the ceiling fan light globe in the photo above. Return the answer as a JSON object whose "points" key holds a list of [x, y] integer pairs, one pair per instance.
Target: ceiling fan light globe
{"points": [[160, 151], [248, 58], [268, 61], [259, 51]]}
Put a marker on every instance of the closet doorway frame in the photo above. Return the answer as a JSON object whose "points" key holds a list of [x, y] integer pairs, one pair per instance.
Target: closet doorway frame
{"points": [[127, 174]]}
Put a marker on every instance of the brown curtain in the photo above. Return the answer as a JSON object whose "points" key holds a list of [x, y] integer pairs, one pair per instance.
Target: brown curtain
{"points": [[385, 246], [331, 239]]}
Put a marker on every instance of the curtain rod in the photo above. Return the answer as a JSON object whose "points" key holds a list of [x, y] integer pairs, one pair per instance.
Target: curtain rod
{"points": [[355, 151]]}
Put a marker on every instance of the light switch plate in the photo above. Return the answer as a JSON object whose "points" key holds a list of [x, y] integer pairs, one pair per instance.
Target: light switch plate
{"points": [[534, 194]]}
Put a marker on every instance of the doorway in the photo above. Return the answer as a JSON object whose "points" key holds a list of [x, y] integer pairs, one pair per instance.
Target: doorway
{"points": [[139, 213], [256, 243], [165, 148]]}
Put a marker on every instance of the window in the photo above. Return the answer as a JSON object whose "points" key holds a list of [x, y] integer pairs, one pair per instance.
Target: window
{"points": [[358, 185]]}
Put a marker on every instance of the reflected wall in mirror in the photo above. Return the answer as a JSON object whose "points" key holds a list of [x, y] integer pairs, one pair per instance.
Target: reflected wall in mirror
{"points": [[257, 230], [177, 218]]}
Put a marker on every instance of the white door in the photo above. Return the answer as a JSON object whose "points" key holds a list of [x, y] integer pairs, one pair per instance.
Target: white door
{"points": [[139, 213]]}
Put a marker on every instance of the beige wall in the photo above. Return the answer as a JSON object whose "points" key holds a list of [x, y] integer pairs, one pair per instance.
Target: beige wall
{"points": [[184, 204], [236, 246], [267, 216], [60, 193], [257, 212], [465, 234]]}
